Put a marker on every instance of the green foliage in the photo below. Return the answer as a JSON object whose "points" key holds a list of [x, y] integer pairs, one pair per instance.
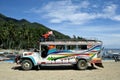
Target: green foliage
{"points": [[21, 34]]}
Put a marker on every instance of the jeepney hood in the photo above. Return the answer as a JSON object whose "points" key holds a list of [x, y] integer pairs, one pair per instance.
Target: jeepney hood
{"points": [[30, 54]]}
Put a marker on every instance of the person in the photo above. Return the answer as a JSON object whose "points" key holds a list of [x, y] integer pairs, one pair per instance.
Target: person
{"points": [[44, 52], [47, 36], [115, 57]]}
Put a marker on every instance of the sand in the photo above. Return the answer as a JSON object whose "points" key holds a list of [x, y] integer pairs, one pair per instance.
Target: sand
{"points": [[11, 71]]}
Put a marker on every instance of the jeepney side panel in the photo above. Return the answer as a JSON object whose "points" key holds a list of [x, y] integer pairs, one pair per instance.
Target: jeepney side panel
{"points": [[90, 55], [67, 56], [61, 58]]}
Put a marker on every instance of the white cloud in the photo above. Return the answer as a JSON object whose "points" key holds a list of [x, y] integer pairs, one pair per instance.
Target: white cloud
{"points": [[110, 12], [101, 29], [84, 4], [116, 17], [66, 11], [110, 9]]}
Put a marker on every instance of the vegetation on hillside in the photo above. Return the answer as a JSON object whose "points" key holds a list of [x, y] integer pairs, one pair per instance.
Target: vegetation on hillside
{"points": [[21, 34]]}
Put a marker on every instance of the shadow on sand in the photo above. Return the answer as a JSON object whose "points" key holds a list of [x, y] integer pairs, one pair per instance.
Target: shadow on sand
{"points": [[52, 68]]}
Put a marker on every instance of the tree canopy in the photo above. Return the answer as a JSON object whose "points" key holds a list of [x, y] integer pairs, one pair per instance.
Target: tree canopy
{"points": [[23, 34]]}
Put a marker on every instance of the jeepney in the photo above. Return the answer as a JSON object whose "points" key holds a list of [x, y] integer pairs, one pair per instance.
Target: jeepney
{"points": [[80, 54]]}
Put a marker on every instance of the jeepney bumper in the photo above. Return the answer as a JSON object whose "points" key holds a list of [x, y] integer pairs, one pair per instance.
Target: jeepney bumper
{"points": [[97, 62]]}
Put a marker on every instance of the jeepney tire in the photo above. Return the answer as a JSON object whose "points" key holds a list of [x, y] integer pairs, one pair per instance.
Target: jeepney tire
{"points": [[82, 65], [26, 65]]}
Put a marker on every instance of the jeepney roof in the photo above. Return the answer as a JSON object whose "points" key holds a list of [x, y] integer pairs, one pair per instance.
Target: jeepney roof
{"points": [[71, 43]]}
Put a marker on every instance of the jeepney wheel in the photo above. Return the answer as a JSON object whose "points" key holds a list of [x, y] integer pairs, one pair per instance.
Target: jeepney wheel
{"points": [[26, 65], [82, 65]]}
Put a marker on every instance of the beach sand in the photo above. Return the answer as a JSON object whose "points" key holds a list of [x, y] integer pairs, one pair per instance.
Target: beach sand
{"points": [[11, 71]]}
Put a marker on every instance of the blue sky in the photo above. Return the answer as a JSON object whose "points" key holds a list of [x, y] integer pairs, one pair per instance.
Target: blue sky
{"points": [[92, 19]]}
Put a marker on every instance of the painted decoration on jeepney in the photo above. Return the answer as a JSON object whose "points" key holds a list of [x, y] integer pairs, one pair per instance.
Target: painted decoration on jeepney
{"points": [[70, 56], [55, 55]]}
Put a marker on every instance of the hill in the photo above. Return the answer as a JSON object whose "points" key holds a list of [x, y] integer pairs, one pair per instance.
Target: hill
{"points": [[22, 33]]}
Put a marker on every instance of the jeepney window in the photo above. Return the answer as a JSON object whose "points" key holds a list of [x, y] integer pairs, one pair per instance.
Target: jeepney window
{"points": [[77, 47], [60, 47], [71, 47], [83, 47]]}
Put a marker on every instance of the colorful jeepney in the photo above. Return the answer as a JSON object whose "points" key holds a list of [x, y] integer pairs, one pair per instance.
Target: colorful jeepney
{"points": [[81, 54]]}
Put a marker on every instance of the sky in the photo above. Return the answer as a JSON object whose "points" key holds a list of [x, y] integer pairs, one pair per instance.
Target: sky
{"points": [[91, 19]]}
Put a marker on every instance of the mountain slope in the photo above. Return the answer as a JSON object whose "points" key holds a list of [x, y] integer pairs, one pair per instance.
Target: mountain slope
{"points": [[22, 33]]}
